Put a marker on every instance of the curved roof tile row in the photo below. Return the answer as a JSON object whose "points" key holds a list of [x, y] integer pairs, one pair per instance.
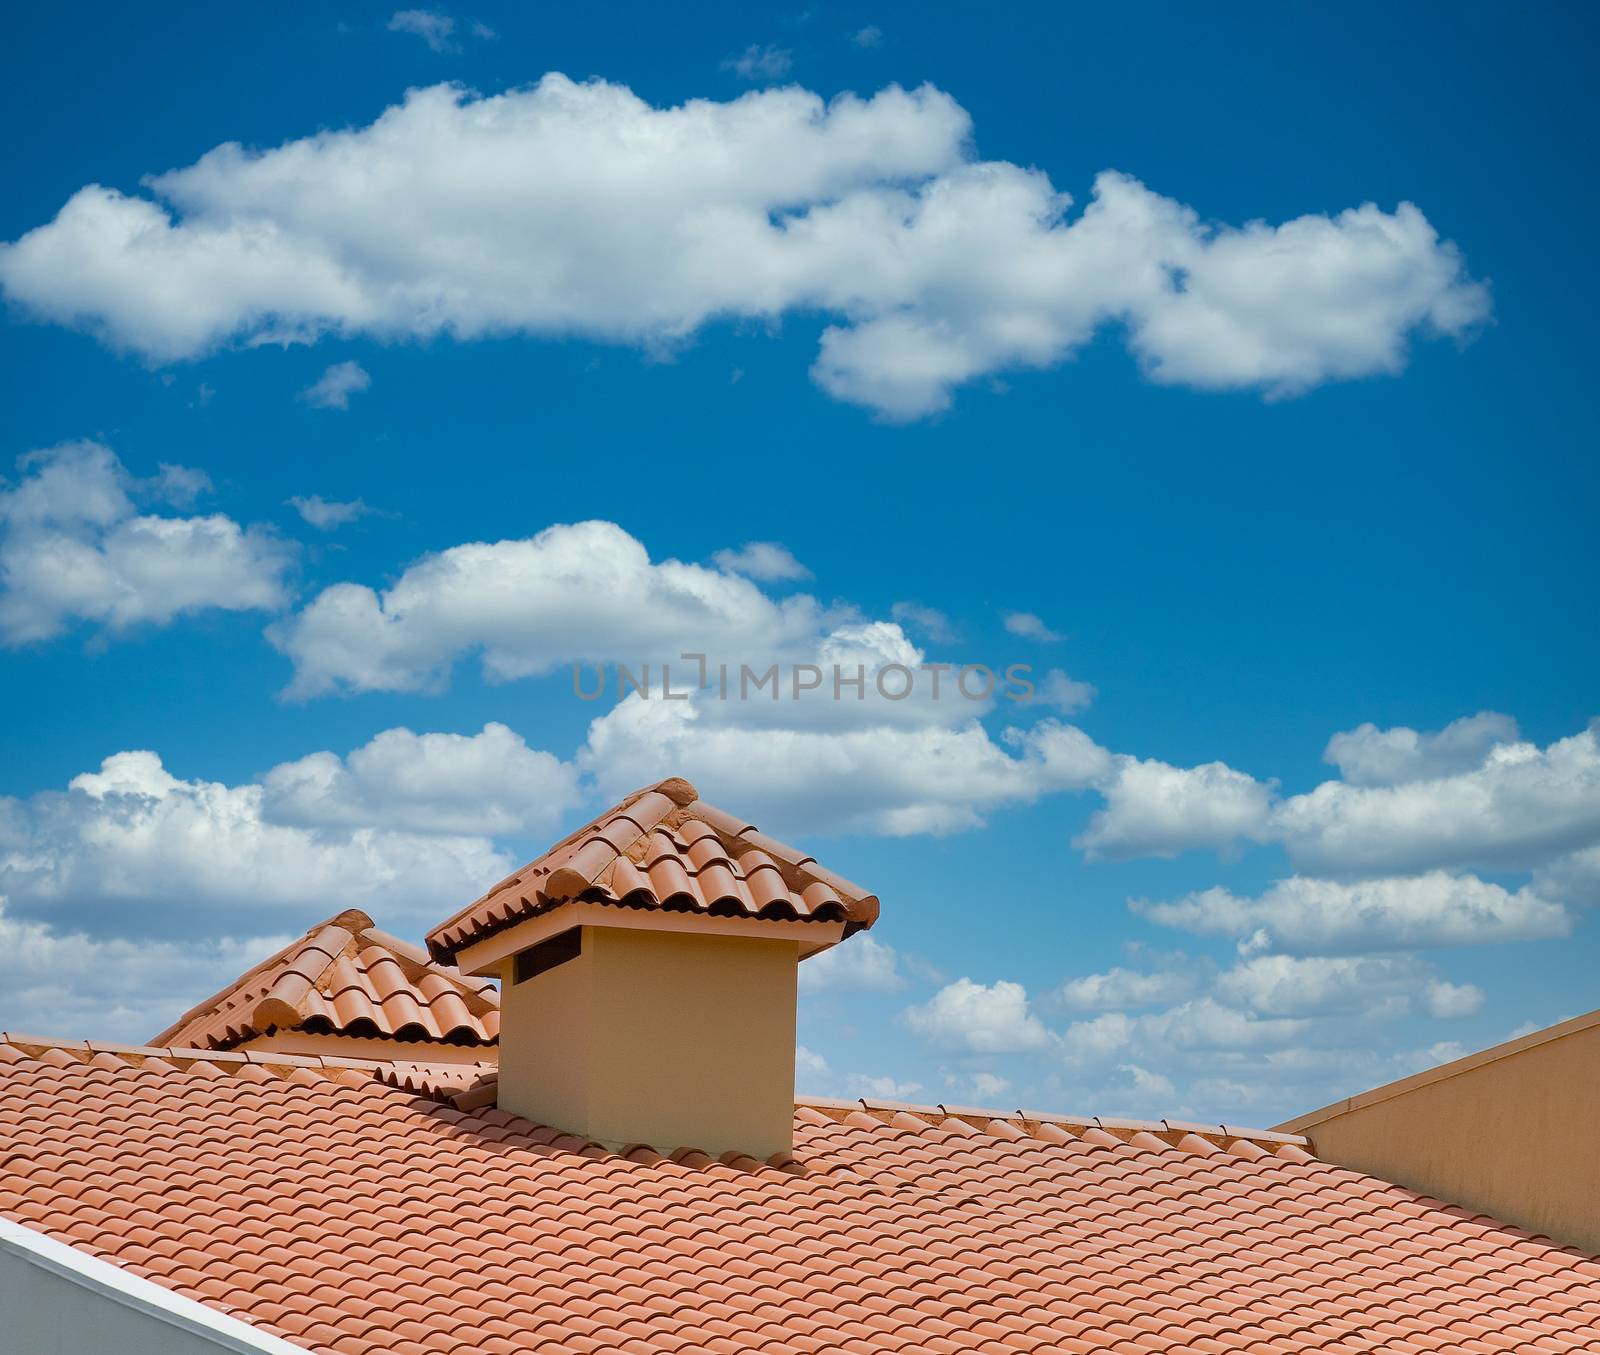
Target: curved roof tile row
{"points": [[352, 1217], [665, 848], [346, 977]]}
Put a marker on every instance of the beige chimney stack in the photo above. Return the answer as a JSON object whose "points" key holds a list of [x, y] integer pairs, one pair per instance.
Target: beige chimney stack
{"points": [[648, 968]]}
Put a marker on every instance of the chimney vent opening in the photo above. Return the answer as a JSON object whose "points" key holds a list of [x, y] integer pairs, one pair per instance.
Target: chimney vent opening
{"points": [[553, 951]]}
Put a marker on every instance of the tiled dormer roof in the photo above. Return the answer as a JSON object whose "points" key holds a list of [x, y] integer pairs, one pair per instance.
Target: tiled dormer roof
{"points": [[353, 1214], [664, 847], [345, 977]]}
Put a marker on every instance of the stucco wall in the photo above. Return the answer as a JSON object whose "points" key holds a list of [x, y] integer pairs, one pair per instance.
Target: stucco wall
{"points": [[668, 1038], [1513, 1132]]}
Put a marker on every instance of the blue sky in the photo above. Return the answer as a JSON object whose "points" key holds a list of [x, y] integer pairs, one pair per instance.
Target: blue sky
{"points": [[1260, 486]]}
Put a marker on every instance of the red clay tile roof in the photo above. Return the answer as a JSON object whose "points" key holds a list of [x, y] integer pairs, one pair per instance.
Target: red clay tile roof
{"points": [[664, 847], [345, 977], [352, 1217]]}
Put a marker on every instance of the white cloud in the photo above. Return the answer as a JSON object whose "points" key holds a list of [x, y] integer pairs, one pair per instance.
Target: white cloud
{"points": [[333, 389], [485, 783], [1156, 809], [178, 485], [589, 594], [808, 1065], [979, 1018], [989, 1085], [929, 622], [881, 1087], [1030, 627], [1369, 756], [1120, 988], [133, 837], [870, 36], [766, 561], [579, 209], [1519, 809], [1450, 1000], [1202, 1024], [582, 593], [431, 26], [1289, 985], [1149, 1091], [1064, 693], [91, 986], [1334, 917], [1575, 878], [873, 779], [326, 514], [75, 549], [860, 965], [761, 61]]}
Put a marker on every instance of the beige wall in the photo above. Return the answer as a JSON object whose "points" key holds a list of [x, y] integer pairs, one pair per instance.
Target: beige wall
{"points": [[667, 1038], [1513, 1132]]}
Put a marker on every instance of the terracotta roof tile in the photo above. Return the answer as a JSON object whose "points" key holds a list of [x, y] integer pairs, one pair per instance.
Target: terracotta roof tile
{"points": [[345, 977], [663, 847], [332, 1202]]}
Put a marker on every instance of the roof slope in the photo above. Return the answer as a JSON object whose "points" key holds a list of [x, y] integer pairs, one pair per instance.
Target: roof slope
{"points": [[345, 977], [357, 1218], [664, 847]]}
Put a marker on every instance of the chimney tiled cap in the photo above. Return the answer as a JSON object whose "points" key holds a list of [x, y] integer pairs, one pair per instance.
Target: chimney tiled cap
{"points": [[345, 977], [665, 848]]}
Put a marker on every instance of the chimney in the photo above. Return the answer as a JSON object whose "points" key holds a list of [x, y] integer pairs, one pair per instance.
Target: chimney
{"points": [[648, 968]]}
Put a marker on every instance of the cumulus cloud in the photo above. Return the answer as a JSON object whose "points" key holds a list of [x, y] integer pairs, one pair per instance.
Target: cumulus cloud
{"points": [[873, 779], [333, 389], [1369, 756], [1333, 917], [928, 622], [326, 514], [111, 988], [881, 1087], [485, 783], [589, 594], [437, 29], [1449, 1001], [75, 548], [1120, 988], [582, 593], [1521, 808], [761, 61], [766, 561], [1155, 809], [580, 209], [1201, 1024], [431, 26], [1030, 627], [862, 966], [987, 1086], [133, 837], [808, 1065], [1290, 985], [1574, 878], [1064, 693], [978, 1018]]}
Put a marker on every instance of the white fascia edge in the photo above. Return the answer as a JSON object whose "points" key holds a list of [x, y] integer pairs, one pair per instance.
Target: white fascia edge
{"points": [[143, 1296]]}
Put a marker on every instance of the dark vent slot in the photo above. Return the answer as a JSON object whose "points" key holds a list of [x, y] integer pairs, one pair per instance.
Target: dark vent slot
{"points": [[548, 954]]}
